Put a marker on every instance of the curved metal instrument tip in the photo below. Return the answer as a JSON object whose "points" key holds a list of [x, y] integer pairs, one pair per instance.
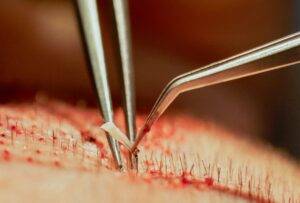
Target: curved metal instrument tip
{"points": [[219, 72]]}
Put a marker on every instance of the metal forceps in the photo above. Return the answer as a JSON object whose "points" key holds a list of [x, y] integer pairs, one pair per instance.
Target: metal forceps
{"points": [[87, 12], [221, 71]]}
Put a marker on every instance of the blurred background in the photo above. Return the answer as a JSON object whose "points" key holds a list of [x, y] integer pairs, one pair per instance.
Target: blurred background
{"points": [[40, 50]]}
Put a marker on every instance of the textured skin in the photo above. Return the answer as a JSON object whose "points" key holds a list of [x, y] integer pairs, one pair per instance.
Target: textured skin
{"points": [[54, 152]]}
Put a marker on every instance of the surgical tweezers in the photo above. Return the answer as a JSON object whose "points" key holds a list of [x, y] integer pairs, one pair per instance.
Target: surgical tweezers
{"points": [[87, 12], [221, 71]]}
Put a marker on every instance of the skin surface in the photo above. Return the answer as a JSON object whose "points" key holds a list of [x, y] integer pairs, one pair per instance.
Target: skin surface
{"points": [[51, 151]]}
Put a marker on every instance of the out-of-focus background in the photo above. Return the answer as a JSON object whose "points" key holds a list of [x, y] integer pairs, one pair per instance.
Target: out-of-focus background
{"points": [[40, 50]]}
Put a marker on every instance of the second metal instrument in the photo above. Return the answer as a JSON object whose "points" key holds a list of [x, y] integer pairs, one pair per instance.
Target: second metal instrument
{"points": [[218, 72]]}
